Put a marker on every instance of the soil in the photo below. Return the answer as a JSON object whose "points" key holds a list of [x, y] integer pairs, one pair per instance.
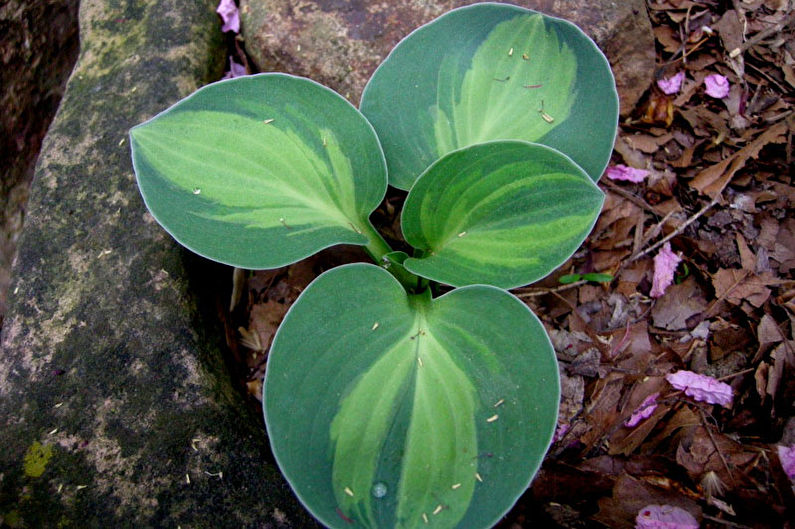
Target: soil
{"points": [[718, 191]]}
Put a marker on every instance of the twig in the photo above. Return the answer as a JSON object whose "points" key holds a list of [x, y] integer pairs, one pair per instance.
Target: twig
{"points": [[737, 374], [715, 444], [553, 290], [629, 196], [727, 523], [677, 231], [762, 35]]}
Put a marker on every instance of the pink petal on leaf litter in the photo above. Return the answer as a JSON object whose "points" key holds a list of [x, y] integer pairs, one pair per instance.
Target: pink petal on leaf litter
{"points": [[560, 432], [230, 15], [622, 172], [671, 85], [786, 454], [665, 264], [644, 411], [235, 70], [664, 517], [716, 85], [701, 387]]}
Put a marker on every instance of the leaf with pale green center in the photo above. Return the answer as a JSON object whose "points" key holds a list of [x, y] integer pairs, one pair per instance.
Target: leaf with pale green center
{"points": [[385, 408], [503, 213], [260, 171], [487, 72]]}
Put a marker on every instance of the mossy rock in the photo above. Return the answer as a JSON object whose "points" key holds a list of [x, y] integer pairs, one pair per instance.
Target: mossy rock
{"points": [[116, 406]]}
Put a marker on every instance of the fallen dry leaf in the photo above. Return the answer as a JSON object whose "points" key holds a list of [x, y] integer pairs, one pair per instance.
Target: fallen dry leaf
{"points": [[736, 286], [701, 451], [630, 495], [680, 302], [713, 180]]}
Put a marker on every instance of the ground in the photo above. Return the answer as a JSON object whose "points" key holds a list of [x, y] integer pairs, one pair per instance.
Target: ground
{"points": [[717, 190]]}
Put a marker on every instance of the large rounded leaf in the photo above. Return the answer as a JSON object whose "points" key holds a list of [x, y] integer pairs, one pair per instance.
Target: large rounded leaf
{"points": [[386, 410], [260, 171], [486, 72], [503, 213]]}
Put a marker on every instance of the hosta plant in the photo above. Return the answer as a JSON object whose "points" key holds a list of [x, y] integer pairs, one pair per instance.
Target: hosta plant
{"points": [[386, 404]]}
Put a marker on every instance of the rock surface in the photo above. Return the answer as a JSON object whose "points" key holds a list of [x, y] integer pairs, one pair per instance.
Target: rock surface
{"points": [[116, 408], [340, 43], [38, 48]]}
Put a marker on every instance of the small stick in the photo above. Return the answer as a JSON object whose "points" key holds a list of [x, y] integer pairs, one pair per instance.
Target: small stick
{"points": [[762, 35], [717, 448], [677, 231], [553, 290]]}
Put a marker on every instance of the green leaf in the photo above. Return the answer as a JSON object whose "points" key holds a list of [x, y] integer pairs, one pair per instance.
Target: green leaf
{"points": [[385, 409], [504, 213], [492, 71], [590, 276], [597, 277], [260, 171]]}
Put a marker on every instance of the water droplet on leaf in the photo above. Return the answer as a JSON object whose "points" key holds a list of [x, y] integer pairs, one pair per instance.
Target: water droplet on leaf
{"points": [[379, 490]]}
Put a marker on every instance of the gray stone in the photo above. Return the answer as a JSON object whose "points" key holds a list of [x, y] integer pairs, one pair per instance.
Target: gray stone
{"points": [[38, 48], [116, 407], [340, 42]]}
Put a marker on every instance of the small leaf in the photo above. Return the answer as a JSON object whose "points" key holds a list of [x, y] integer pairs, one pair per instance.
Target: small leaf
{"points": [[597, 277], [260, 171], [591, 276], [492, 71], [503, 213], [386, 409]]}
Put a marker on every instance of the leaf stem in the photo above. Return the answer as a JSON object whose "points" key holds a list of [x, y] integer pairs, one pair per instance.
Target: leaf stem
{"points": [[377, 248]]}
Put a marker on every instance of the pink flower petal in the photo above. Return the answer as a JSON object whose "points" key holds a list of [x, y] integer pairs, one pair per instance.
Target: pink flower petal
{"points": [[643, 412], [786, 454], [235, 70], [560, 432], [716, 85], [671, 85], [230, 15], [664, 517], [665, 264], [622, 172], [701, 387]]}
